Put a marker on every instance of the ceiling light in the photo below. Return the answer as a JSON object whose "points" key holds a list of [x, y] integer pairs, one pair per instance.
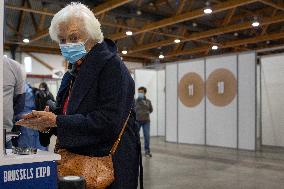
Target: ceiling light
{"points": [[161, 56], [26, 40], [128, 33], [236, 34], [207, 10], [124, 52], [194, 24], [255, 23], [177, 40], [138, 12], [214, 47]]}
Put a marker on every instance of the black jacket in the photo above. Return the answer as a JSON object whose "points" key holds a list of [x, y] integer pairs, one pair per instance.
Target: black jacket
{"points": [[101, 99], [143, 108]]}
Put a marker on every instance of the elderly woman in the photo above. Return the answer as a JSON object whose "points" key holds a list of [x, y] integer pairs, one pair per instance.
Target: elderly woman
{"points": [[95, 97]]}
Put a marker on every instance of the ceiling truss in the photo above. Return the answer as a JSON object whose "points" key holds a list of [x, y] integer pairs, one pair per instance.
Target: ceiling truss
{"points": [[233, 32]]}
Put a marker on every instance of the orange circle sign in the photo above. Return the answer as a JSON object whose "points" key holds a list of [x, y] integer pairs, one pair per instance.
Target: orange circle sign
{"points": [[191, 89], [221, 87]]}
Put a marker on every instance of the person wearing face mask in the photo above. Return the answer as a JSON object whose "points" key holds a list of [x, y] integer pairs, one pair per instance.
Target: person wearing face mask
{"points": [[42, 96], [95, 98], [143, 108]]}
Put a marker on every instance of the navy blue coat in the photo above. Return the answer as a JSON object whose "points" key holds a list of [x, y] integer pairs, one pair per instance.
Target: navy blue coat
{"points": [[101, 99]]}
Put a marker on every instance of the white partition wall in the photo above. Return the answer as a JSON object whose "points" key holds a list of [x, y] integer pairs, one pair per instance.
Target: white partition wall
{"points": [[54, 61], [272, 93], [171, 103], [1, 75], [221, 122], [247, 101], [258, 105], [161, 110], [148, 79], [226, 115], [191, 120]]}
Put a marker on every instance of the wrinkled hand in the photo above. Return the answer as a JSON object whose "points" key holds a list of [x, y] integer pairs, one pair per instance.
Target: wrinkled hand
{"points": [[38, 120]]}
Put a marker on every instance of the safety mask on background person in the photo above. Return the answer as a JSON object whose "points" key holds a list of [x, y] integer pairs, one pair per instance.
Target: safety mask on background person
{"points": [[73, 52], [141, 95]]}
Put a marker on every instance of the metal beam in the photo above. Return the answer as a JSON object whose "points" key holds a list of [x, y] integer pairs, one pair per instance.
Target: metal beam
{"points": [[39, 35], [183, 33], [11, 27], [229, 16], [230, 44], [183, 30], [279, 6], [210, 33], [33, 17], [100, 9], [25, 9], [46, 13], [144, 55], [264, 28], [109, 5], [190, 15], [39, 49], [112, 4], [55, 50], [21, 18], [181, 6], [42, 20], [136, 29], [245, 14]]}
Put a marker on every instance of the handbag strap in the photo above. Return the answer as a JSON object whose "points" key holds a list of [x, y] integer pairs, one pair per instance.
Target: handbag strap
{"points": [[115, 145]]}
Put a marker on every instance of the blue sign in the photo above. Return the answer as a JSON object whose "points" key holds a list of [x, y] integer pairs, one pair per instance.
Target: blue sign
{"points": [[42, 175]]}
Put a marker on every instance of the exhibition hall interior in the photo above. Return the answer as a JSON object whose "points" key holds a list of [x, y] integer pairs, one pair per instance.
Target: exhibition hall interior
{"points": [[142, 94]]}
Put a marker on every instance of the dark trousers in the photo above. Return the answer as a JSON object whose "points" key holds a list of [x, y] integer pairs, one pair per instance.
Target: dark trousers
{"points": [[8, 144], [146, 132]]}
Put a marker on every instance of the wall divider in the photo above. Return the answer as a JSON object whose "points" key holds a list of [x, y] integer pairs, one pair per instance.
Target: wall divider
{"points": [[226, 115]]}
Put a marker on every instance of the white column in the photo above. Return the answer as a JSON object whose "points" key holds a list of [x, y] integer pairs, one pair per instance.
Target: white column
{"points": [[1, 75]]}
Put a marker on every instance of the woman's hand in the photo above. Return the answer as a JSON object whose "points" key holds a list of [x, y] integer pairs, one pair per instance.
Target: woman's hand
{"points": [[39, 120]]}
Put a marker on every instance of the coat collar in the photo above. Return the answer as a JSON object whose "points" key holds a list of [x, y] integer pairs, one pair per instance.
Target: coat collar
{"points": [[89, 72]]}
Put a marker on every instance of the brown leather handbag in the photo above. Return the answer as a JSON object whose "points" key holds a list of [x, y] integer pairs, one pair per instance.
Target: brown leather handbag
{"points": [[98, 171]]}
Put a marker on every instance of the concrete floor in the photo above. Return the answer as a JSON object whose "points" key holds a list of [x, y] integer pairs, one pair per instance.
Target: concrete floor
{"points": [[179, 166]]}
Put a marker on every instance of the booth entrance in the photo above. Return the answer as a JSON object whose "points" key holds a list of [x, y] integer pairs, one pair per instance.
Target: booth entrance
{"points": [[154, 81], [271, 86]]}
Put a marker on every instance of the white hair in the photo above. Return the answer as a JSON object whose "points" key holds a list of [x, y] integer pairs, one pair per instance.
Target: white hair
{"points": [[77, 10]]}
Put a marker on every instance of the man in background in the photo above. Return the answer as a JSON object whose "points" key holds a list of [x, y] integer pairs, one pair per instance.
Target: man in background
{"points": [[143, 109], [13, 91]]}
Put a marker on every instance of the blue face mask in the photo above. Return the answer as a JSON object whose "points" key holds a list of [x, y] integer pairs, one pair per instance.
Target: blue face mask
{"points": [[141, 95], [73, 52]]}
